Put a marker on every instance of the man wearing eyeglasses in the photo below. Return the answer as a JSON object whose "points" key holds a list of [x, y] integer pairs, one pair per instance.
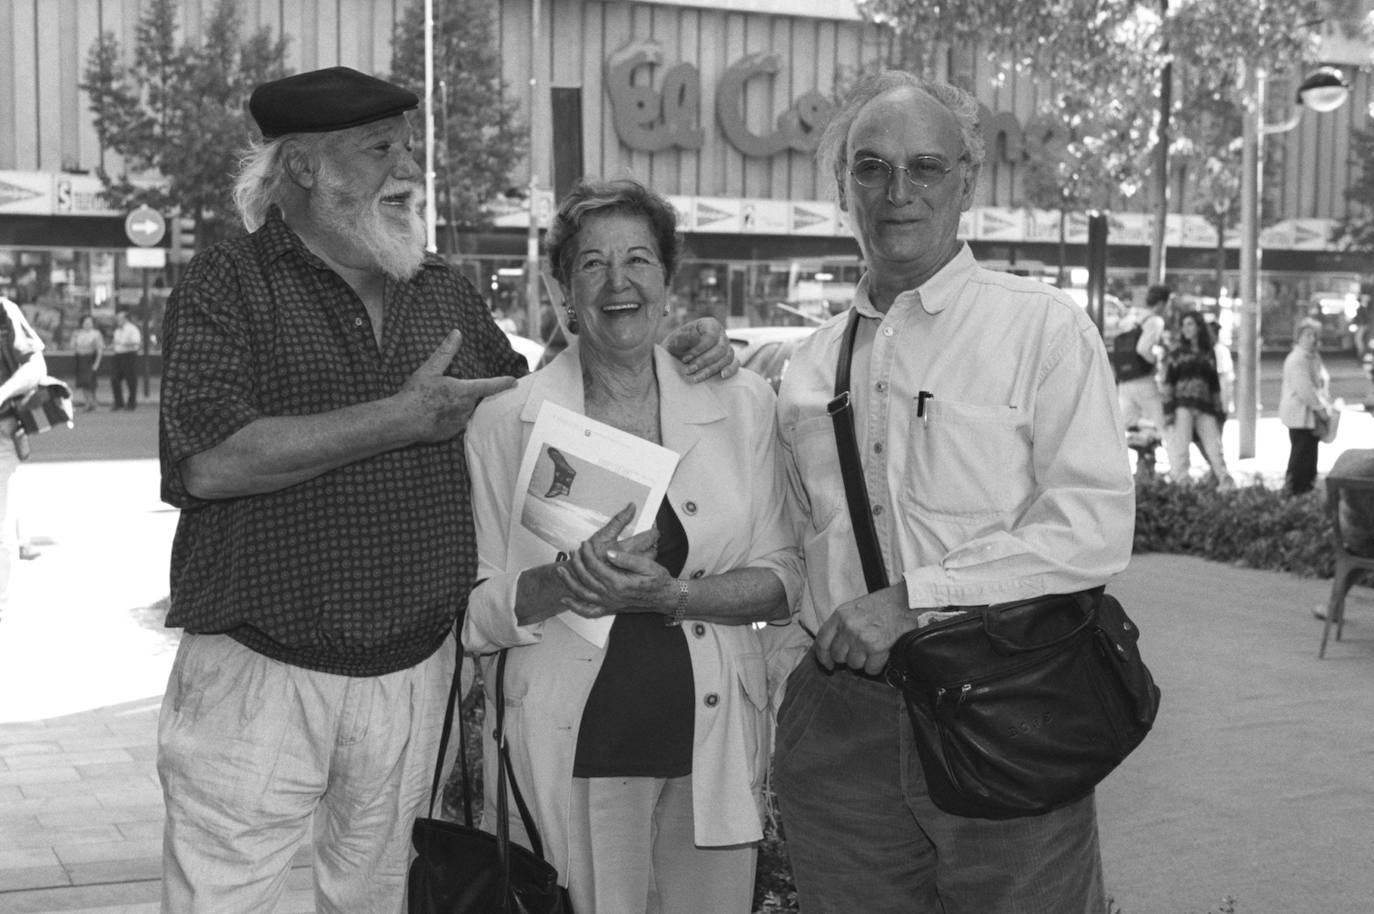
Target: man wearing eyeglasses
{"points": [[987, 427]]}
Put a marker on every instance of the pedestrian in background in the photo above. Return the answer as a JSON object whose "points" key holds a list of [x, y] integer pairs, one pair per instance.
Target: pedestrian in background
{"points": [[22, 368], [125, 345], [319, 373], [1193, 403], [88, 344], [1303, 400], [1136, 364], [989, 437], [1226, 366]]}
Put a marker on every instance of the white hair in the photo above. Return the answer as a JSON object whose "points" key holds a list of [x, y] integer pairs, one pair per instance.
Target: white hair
{"points": [[262, 180]]}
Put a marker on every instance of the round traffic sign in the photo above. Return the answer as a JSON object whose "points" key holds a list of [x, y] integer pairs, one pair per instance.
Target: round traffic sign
{"points": [[145, 226]]}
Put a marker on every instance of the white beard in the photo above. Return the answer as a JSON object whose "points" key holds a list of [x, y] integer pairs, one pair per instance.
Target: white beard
{"points": [[394, 250]]}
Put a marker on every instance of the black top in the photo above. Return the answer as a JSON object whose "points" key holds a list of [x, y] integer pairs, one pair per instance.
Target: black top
{"points": [[638, 719], [360, 571]]}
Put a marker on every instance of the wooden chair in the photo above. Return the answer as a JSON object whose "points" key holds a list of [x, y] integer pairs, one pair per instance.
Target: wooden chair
{"points": [[1347, 563]]}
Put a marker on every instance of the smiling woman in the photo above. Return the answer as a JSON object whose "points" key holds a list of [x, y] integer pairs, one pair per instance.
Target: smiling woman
{"points": [[644, 754]]}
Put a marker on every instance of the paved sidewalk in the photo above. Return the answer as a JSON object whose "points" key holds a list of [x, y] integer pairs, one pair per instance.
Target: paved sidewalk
{"points": [[1255, 783]]}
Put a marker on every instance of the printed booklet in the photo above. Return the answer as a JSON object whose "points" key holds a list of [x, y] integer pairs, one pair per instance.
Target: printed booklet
{"points": [[576, 474]]}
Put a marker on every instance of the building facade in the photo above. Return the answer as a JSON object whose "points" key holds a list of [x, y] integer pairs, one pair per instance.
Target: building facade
{"points": [[717, 104]]}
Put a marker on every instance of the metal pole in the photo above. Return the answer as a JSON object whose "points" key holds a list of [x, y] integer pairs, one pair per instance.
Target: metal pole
{"points": [[1252, 158], [430, 218], [147, 310], [532, 235]]}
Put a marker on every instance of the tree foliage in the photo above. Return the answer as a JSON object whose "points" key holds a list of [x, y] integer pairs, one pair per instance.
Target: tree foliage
{"points": [[1356, 231], [1103, 61], [478, 138], [177, 115]]}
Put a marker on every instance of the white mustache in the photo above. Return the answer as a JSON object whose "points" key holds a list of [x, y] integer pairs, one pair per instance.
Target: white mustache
{"points": [[414, 196]]}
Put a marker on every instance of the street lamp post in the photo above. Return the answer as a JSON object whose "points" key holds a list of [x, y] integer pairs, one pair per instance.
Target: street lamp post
{"points": [[1323, 90]]}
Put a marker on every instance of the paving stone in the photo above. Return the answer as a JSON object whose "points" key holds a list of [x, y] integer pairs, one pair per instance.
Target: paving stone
{"points": [[111, 898], [30, 877], [35, 776], [78, 760], [122, 849], [108, 871]]}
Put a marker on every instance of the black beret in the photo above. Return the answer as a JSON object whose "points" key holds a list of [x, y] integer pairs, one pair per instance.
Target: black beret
{"points": [[335, 98]]}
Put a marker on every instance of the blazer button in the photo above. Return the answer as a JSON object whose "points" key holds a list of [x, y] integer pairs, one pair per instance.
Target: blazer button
{"points": [[699, 630], [690, 507], [698, 573], [712, 699]]}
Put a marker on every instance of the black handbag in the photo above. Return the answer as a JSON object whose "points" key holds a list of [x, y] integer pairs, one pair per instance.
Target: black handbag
{"points": [[1017, 708], [460, 869]]}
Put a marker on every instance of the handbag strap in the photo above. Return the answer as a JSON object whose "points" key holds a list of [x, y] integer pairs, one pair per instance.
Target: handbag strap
{"points": [[443, 744], [841, 410], [505, 774]]}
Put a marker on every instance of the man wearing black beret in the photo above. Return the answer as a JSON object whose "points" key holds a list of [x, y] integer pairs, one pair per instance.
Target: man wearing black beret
{"points": [[318, 375]]}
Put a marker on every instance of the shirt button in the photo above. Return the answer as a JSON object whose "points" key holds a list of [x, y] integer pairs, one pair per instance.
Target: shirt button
{"points": [[712, 699], [357, 321], [881, 387], [699, 630], [690, 507], [887, 331], [877, 510], [698, 573], [878, 448]]}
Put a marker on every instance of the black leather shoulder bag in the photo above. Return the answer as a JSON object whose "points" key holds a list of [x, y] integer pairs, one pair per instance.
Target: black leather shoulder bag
{"points": [[1018, 708]]}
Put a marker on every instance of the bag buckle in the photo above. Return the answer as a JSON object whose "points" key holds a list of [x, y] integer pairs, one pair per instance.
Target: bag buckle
{"points": [[838, 405]]}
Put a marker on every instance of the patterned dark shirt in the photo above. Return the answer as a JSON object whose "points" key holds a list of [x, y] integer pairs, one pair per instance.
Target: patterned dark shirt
{"points": [[360, 571]]}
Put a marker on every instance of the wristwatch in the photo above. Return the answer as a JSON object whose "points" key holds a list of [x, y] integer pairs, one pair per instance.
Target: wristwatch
{"points": [[680, 606]]}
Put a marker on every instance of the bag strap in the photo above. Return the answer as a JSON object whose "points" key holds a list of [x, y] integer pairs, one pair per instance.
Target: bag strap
{"points": [[443, 743], [841, 410], [505, 774]]}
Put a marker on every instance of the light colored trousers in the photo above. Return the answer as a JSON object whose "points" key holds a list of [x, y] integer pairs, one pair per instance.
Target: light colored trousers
{"points": [[632, 852], [251, 752], [1140, 399], [9, 464], [1178, 442], [864, 836]]}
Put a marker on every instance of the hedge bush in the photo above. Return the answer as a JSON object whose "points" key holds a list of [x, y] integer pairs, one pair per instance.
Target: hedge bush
{"points": [[1252, 526]]}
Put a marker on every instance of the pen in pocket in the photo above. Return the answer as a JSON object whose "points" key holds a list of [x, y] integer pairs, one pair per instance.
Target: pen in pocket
{"points": [[921, 398]]}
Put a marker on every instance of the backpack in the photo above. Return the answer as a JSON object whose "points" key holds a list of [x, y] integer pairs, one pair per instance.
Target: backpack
{"points": [[1127, 364]]}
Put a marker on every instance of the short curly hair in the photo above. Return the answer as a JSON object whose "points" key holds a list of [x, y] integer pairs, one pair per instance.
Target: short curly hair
{"points": [[591, 198]]}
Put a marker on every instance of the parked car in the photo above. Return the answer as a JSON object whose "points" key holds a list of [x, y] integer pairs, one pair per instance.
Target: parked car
{"points": [[531, 350], [767, 350]]}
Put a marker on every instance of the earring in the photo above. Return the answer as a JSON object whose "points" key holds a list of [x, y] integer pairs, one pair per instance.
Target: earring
{"points": [[572, 320]]}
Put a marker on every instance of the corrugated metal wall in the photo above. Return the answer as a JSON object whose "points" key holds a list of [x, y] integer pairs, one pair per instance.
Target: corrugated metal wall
{"points": [[45, 123]]}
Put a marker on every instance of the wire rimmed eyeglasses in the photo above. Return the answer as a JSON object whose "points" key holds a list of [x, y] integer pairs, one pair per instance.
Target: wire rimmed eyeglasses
{"points": [[922, 171]]}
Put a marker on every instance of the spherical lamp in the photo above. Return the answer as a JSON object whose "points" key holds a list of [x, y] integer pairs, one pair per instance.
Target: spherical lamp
{"points": [[1325, 89]]}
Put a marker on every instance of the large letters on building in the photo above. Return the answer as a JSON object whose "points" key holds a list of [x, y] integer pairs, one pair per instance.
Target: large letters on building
{"points": [[652, 120]]}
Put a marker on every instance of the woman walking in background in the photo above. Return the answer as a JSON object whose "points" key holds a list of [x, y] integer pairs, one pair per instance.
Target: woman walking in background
{"points": [[89, 346], [1303, 403], [1192, 401]]}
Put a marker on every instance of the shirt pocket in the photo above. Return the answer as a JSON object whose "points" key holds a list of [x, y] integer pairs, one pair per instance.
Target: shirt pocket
{"points": [[966, 460], [818, 463]]}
